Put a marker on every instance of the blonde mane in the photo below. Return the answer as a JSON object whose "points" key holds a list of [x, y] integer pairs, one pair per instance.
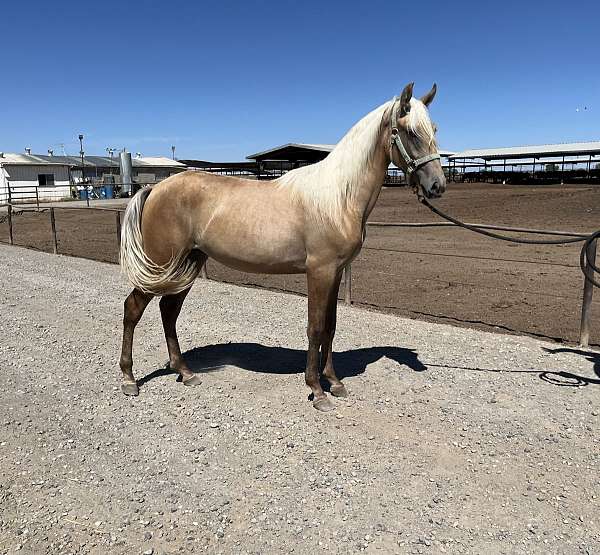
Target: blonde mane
{"points": [[329, 185], [420, 123]]}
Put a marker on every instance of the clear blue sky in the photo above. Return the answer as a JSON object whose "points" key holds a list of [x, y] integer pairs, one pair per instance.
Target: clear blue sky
{"points": [[221, 80]]}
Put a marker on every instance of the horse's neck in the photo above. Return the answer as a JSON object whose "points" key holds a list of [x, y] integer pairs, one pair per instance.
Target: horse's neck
{"points": [[367, 194]]}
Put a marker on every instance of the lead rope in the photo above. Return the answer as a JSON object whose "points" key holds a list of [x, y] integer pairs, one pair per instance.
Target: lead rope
{"points": [[584, 257]]}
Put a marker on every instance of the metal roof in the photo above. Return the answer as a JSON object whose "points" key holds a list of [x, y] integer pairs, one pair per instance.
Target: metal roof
{"points": [[88, 161], [514, 152], [156, 162], [15, 159], [287, 146]]}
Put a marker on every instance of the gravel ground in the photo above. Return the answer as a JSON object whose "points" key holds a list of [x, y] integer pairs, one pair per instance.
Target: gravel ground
{"points": [[453, 440]]}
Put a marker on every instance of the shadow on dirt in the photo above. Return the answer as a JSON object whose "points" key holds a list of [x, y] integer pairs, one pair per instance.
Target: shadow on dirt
{"points": [[281, 360], [569, 379], [554, 377]]}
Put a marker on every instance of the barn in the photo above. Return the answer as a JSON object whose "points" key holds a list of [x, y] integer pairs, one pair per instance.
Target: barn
{"points": [[29, 175], [103, 169]]}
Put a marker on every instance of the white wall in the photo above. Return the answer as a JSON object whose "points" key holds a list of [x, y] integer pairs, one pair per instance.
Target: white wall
{"points": [[25, 178]]}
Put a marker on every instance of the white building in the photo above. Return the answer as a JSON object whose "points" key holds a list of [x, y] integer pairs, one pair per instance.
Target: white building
{"points": [[28, 176], [32, 176], [149, 169]]}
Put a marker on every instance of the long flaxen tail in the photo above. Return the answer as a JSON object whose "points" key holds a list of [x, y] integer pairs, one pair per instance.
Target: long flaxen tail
{"points": [[173, 277]]}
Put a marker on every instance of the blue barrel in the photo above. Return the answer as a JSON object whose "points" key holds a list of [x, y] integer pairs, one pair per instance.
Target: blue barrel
{"points": [[83, 194], [108, 191]]}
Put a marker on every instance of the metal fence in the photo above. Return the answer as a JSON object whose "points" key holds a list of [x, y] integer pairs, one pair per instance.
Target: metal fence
{"points": [[587, 296], [27, 194]]}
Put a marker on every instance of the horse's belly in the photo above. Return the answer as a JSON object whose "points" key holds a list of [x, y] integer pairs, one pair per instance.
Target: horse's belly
{"points": [[266, 255]]}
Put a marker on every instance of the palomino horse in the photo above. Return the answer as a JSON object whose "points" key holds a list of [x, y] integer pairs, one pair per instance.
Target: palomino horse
{"points": [[312, 220]]}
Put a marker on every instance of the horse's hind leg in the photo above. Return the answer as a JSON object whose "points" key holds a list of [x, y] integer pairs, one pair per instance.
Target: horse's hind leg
{"points": [[170, 307], [135, 304]]}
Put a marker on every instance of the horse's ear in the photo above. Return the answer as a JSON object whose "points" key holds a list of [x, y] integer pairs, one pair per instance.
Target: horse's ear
{"points": [[405, 99], [429, 96]]}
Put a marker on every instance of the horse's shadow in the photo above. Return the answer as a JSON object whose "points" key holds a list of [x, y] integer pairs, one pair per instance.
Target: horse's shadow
{"points": [[282, 360]]}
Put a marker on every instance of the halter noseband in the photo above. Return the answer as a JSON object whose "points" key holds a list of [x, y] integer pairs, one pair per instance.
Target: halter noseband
{"points": [[411, 163]]}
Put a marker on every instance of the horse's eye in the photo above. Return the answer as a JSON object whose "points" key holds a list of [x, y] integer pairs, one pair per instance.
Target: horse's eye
{"points": [[435, 128]]}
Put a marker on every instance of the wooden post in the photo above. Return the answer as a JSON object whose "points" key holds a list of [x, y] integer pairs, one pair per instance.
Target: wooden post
{"points": [[118, 227], [348, 284], [37, 198], [53, 226], [588, 292], [10, 226]]}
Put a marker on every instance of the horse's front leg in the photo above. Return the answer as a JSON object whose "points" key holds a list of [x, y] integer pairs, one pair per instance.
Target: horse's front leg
{"points": [[337, 388], [322, 285]]}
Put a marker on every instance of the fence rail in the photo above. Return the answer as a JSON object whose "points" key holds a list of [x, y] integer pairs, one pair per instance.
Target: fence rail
{"points": [[587, 288]]}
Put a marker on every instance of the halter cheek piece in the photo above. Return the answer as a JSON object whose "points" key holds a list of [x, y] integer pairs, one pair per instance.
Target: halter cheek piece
{"points": [[411, 163]]}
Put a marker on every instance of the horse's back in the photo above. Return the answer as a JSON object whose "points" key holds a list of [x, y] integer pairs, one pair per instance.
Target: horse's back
{"points": [[247, 224]]}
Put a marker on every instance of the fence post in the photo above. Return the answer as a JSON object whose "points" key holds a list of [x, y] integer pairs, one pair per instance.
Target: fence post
{"points": [[118, 222], [53, 225], [10, 223], [37, 198], [348, 284], [588, 292]]}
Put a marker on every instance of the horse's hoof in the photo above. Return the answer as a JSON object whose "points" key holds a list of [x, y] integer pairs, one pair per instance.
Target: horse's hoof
{"points": [[194, 380], [131, 389], [324, 404], [339, 390]]}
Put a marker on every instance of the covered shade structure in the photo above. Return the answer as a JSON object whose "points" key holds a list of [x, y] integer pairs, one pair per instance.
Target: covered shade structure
{"points": [[551, 162]]}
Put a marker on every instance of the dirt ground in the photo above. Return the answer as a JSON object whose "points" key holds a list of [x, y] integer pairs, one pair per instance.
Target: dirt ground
{"points": [[436, 274], [453, 440]]}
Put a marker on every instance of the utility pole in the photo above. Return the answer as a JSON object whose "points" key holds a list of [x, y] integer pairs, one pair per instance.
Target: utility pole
{"points": [[87, 193], [110, 151]]}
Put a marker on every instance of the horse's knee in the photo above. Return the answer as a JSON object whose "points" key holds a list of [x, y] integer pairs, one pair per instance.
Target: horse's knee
{"points": [[316, 333]]}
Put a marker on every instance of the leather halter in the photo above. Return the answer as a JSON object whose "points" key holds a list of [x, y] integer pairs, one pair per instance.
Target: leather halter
{"points": [[412, 164]]}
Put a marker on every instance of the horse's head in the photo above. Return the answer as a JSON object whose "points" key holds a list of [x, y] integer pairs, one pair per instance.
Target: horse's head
{"points": [[413, 147]]}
